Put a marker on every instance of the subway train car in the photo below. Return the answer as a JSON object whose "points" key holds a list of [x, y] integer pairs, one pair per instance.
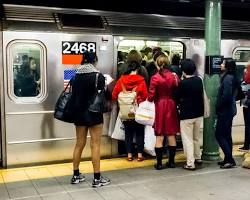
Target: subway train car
{"points": [[51, 40]]}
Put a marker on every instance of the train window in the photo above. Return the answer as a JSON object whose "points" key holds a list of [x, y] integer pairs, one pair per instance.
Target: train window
{"points": [[26, 71], [169, 47], [242, 54]]}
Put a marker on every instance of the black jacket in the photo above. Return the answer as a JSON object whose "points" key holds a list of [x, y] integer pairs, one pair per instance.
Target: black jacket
{"points": [[189, 97], [83, 91], [226, 104]]}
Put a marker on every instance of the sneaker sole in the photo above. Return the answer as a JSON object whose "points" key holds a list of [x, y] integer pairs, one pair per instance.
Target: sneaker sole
{"points": [[78, 181], [101, 184]]}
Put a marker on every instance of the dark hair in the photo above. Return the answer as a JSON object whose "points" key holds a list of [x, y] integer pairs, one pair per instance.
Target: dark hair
{"points": [[147, 50], [157, 54], [176, 59], [188, 66], [132, 66], [230, 65], [156, 49], [167, 51], [89, 57], [121, 56]]}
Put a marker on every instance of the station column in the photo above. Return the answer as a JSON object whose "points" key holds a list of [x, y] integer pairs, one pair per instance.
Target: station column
{"points": [[211, 81]]}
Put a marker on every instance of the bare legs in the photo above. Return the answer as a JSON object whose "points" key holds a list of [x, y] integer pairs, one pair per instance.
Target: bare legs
{"points": [[81, 138]]}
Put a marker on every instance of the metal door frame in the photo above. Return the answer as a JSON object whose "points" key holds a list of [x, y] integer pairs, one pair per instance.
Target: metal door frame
{"points": [[3, 159]]}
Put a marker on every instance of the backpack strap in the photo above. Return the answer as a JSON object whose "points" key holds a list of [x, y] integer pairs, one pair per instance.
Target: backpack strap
{"points": [[123, 87]]}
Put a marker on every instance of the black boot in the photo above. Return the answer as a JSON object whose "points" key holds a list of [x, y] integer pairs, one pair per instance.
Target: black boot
{"points": [[171, 150], [158, 152]]}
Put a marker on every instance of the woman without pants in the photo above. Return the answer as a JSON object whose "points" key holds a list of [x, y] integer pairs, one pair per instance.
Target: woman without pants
{"points": [[162, 86], [226, 110], [191, 105], [132, 80], [83, 89]]}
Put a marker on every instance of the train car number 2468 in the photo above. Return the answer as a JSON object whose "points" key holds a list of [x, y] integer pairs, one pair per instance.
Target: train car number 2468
{"points": [[77, 47]]}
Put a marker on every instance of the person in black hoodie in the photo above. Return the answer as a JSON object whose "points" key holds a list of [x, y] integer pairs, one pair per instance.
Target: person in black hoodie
{"points": [[226, 110]]}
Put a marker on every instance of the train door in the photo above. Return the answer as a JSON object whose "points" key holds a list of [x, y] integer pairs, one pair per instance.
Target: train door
{"points": [[146, 47]]}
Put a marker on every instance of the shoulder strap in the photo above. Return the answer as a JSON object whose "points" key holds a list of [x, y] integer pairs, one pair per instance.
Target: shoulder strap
{"points": [[96, 80], [202, 82], [123, 87]]}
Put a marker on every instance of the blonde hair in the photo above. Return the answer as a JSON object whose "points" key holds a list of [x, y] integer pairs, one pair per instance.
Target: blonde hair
{"points": [[162, 62]]}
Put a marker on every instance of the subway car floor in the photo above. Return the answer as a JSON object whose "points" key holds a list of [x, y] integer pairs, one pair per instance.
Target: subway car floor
{"points": [[130, 180]]}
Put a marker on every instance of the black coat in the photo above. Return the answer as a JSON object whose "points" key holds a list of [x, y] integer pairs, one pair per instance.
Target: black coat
{"points": [[226, 104], [83, 90], [189, 96]]}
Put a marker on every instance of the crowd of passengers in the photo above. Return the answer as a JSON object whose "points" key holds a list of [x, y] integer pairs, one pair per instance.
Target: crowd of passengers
{"points": [[177, 92]]}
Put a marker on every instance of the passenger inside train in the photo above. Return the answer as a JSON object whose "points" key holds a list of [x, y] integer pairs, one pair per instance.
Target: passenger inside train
{"points": [[27, 82]]}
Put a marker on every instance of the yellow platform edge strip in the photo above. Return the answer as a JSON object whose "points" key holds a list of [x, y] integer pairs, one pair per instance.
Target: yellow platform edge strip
{"points": [[65, 169]]}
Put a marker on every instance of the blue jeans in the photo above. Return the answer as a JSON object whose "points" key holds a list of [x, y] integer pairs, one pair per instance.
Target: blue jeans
{"points": [[223, 134], [133, 128]]}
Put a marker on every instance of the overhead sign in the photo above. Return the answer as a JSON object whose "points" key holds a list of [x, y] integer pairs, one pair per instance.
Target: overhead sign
{"points": [[72, 51]]}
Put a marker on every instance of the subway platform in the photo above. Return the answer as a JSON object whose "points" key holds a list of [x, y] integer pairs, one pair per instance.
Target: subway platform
{"points": [[130, 180]]}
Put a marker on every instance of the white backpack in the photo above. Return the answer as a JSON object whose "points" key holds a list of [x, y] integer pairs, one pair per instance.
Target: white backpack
{"points": [[127, 103]]}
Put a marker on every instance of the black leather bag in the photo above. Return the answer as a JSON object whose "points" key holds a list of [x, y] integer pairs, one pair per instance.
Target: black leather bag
{"points": [[97, 103], [64, 110]]}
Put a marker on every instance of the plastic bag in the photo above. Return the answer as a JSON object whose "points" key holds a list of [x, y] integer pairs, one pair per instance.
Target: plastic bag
{"points": [[145, 113], [119, 131], [149, 141]]}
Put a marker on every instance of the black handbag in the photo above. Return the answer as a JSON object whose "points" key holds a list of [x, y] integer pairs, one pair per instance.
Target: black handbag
{"points": [[97, 103], [64, 109]]}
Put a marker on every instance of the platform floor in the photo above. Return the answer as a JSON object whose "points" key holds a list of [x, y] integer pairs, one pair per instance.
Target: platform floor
{"points": [[130, 180]]}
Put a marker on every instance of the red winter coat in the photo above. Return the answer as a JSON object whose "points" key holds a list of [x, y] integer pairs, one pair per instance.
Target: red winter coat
{"points": [[131, 81], [161, 92]]}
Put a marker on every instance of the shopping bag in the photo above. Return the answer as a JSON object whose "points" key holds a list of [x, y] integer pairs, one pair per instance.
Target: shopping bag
{"points": [[145, 113], [149, 141], [119, 131]]}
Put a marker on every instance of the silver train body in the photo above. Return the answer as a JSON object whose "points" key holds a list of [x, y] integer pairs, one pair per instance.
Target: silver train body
{"points": [[29, 133]]}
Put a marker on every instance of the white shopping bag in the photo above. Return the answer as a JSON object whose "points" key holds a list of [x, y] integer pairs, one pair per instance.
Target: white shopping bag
{"points": [[149, 141], [119, 132], [145, 113]]}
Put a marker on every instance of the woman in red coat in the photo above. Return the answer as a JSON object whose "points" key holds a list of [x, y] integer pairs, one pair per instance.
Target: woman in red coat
{"points": [[132, 80], [166, 123]]}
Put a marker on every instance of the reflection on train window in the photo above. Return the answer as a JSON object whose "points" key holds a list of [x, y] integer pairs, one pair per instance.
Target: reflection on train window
{"points": [[26, 70], [241, 55]]}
